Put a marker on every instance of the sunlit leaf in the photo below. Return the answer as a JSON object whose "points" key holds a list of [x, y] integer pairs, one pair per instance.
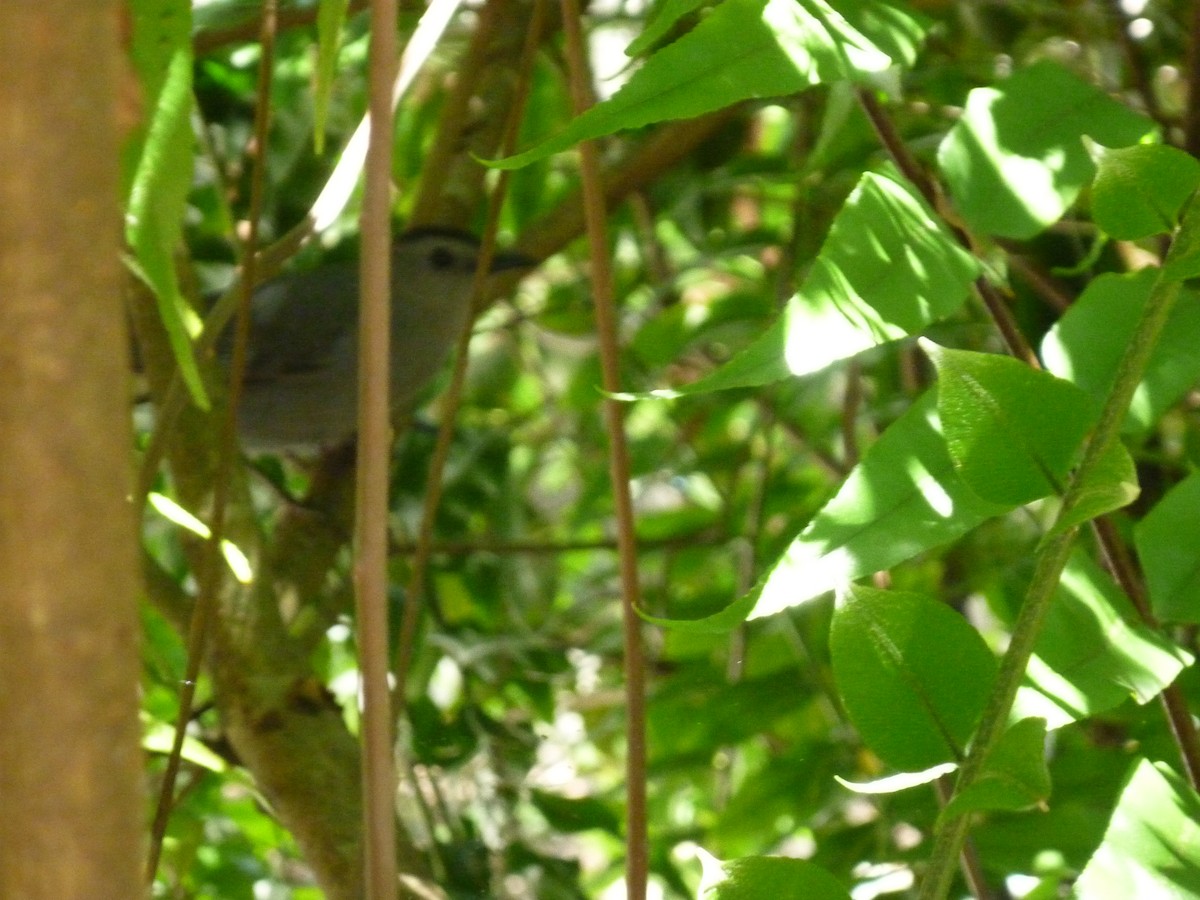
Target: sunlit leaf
{"points": [[238, 562], [1087, 343], [1093, 653], [747, 49], [757, 877], [1152, 845], [892, 784], [163, 173], [1140, 190], [887, 269], [1016, 161], [904, 497], [660, 23]]}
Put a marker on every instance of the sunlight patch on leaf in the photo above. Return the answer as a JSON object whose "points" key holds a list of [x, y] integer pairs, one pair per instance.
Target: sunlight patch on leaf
{"points": [[886, 270], [238, 562], [1085, 346], [159, 737], [754, 877], [904, 497], [1152, 845], [893, 784], [1093, 653], [1015, 160]]}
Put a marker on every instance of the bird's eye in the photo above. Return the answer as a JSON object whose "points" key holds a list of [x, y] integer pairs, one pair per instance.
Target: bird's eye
{"points": [[442, 258]]}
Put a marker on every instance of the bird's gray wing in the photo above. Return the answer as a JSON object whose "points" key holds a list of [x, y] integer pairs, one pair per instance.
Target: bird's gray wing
{"points": [[301, 321]]}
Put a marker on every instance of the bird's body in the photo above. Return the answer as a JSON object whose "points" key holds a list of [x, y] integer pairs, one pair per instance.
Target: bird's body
{"points": [[301, 381]]}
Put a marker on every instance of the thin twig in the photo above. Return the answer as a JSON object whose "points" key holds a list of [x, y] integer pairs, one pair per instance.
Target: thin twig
{"points": [[380, 870], [636, 845]]}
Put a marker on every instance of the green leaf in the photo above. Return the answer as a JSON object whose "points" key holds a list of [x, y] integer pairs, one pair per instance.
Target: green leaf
{"points": [[1013, 431], [159, 737], [903, 498], [1085, 346], [747, 49], [1152, 845], [774, 877], [1016, 161], [1168, 545], [1015, 775], [1183, 259], [661, 20], [913, 674], [163, 175], [887, 269], [688, 718], [572, 815], [330, 18], [160, 29], [1140, 191], [1110, 485], [1093, 653]]}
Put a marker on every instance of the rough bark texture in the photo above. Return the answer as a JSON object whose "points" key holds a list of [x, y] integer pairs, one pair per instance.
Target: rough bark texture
{"points": [[71, 803]]}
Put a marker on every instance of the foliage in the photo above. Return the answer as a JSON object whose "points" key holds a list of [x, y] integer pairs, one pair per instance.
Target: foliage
{"points": [[827, 312]]}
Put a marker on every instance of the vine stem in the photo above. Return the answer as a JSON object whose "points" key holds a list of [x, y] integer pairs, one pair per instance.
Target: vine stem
{"points": [[1050, 561]]}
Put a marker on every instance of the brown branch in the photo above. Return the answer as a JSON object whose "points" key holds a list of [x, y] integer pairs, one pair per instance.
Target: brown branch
{"points": [[371, 522], [604, 296]]}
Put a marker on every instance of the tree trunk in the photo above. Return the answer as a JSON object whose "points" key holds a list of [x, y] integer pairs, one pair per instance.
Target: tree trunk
{"points": [[71, 804]]}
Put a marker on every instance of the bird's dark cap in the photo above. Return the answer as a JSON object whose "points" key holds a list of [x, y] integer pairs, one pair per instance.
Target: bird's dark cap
{"points": [[502, 260]]}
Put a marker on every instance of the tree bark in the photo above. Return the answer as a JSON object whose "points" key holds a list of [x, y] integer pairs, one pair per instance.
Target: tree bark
{"points": [[71, 804]]}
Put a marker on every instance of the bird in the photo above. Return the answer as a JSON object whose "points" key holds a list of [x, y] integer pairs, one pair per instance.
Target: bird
{"points": [[300, 386]]}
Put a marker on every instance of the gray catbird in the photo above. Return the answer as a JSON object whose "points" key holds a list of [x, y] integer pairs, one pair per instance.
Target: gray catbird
{"points": [[300, 386]]}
